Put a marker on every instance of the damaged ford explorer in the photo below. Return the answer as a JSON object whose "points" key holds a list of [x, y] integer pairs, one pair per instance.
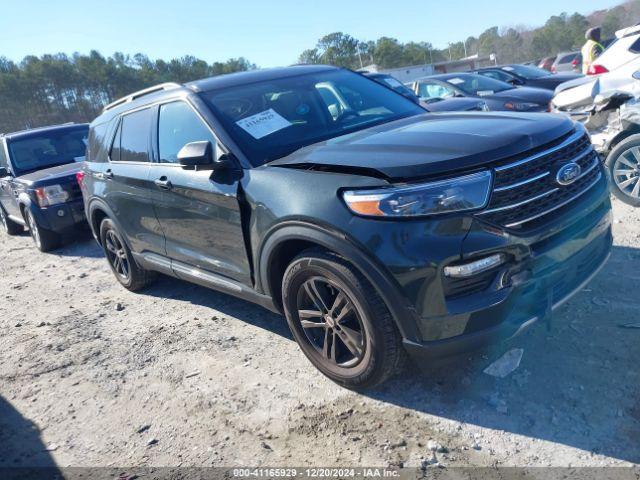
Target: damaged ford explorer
{"points": [[377, 228]]}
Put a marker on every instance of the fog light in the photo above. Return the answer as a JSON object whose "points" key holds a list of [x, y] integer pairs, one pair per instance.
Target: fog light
{"points": [[475, 267]]}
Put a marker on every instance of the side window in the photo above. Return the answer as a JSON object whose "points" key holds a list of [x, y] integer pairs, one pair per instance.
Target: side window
{"points": [[635, 46], [434, 90], [497, 75], [178, 125], [131, 143]]}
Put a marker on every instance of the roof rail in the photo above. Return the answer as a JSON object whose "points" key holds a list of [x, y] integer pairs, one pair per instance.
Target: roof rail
{"points": [[141, 93], [35, 129]]}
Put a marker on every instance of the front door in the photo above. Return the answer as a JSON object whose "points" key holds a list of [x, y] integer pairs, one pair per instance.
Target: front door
{"points": [[198, 209]]}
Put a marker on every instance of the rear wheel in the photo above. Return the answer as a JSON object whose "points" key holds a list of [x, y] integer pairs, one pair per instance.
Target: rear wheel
{"points": [[623, 164], [9, 226], [126, 270], [45, 240], [340, 322]]}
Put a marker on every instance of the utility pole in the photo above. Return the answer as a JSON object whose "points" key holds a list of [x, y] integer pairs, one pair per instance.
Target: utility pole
{"points": [[449, 51], [464, 44]]}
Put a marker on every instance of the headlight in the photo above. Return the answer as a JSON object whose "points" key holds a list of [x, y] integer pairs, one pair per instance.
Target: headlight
{"points": [[51, 195], [444, 196], [521, 106]]}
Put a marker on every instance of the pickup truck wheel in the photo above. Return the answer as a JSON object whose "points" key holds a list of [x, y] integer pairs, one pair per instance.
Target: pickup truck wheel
{"points": [[340, 322], [9, 226], [130, 275], [44, 239], [623, 165]]}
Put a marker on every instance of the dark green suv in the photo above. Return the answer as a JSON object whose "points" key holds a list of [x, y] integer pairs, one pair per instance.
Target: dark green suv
{"points": [[375, 227]]}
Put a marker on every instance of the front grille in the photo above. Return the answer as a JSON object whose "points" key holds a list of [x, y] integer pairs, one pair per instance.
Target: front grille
{"points": [[525, 191]]}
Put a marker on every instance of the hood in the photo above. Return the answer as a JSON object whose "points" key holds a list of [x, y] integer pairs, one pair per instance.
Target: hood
{"points": [[457, 104], [527, 94], [432, 144], [60, 174]]}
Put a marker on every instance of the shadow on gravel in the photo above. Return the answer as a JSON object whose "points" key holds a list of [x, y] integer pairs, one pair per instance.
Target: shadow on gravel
{"points": [[578, 384], [79, 244], [168, 287], [21, 447]]}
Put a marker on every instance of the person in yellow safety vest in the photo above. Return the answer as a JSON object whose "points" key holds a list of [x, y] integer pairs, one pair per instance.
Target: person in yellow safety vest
{"points": [[591, 49]]}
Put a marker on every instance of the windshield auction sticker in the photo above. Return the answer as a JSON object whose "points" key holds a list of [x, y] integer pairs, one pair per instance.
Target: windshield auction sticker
{"points": [[263, 123]]}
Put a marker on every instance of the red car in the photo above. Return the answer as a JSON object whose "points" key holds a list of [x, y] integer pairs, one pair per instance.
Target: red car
{"points": [[546, 63]]}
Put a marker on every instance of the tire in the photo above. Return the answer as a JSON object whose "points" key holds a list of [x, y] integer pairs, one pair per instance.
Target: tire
{"points": [[355, 342], [9, 226], [45, 240], [623, 168], [130, 275]]}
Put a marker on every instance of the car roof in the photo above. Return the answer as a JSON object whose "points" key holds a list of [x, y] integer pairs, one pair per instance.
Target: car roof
{"points": [[628, 31], [159, 92], [45, 129], [254, 76]]}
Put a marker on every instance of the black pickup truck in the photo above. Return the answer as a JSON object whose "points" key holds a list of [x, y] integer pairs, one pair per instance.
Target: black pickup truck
{"points": [[38, 185]]}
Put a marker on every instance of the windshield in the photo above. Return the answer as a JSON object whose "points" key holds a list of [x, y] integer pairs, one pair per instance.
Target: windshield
{"points": [[527, 71], [48, 149], [478, 85], [273, 118]]}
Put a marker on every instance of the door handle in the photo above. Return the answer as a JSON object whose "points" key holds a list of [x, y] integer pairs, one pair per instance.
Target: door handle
{"points": [[164, 183]]}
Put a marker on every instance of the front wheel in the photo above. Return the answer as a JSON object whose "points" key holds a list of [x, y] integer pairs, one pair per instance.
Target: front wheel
{"points": [[623, 164], [44, 239], [9, 226], [340, 322]]}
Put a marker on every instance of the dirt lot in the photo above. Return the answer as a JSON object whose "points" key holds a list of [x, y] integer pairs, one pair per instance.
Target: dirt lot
{"points": [[92, 375]]}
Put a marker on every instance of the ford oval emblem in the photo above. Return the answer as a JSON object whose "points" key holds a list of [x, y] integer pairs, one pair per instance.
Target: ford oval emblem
{"points": [[568, 173]]}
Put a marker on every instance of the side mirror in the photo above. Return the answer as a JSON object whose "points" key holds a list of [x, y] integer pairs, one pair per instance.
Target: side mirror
{"points": [[636, 75], [195, 154], [4, 172]]}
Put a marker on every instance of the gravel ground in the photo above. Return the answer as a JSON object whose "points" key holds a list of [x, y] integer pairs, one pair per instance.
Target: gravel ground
{"points": [[92, 375]]}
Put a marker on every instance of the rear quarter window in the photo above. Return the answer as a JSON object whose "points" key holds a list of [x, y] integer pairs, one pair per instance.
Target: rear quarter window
{"points": [[98, 147]]}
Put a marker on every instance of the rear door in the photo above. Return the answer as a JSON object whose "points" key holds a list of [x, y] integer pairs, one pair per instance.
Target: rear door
{"points": [[127, 187], [198, 208]]}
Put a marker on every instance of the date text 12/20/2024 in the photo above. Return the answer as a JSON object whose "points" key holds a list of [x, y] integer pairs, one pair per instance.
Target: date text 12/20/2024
{"points": [[315, 473]]}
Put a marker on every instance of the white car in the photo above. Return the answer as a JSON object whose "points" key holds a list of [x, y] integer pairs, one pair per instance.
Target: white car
{"points": [[576, 96], [623, 50]]}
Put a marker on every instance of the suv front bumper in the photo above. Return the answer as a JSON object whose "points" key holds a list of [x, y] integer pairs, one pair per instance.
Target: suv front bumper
{"points": [[545, 270], [528, 303]]}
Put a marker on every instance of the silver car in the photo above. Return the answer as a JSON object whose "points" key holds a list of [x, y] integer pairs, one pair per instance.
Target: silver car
{"points": [[567, 62]]}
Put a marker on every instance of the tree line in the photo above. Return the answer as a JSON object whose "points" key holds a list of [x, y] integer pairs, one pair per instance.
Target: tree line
{"points": [[560, 33], [73, 88], [59, 88]]}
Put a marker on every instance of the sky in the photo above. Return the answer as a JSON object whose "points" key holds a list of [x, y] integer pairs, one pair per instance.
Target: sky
{"points": [[267, 32]]}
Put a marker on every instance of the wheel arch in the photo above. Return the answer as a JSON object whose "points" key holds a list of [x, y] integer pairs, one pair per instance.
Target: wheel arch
{"points": [[285, 241], [622, 136], [96, 212]]}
